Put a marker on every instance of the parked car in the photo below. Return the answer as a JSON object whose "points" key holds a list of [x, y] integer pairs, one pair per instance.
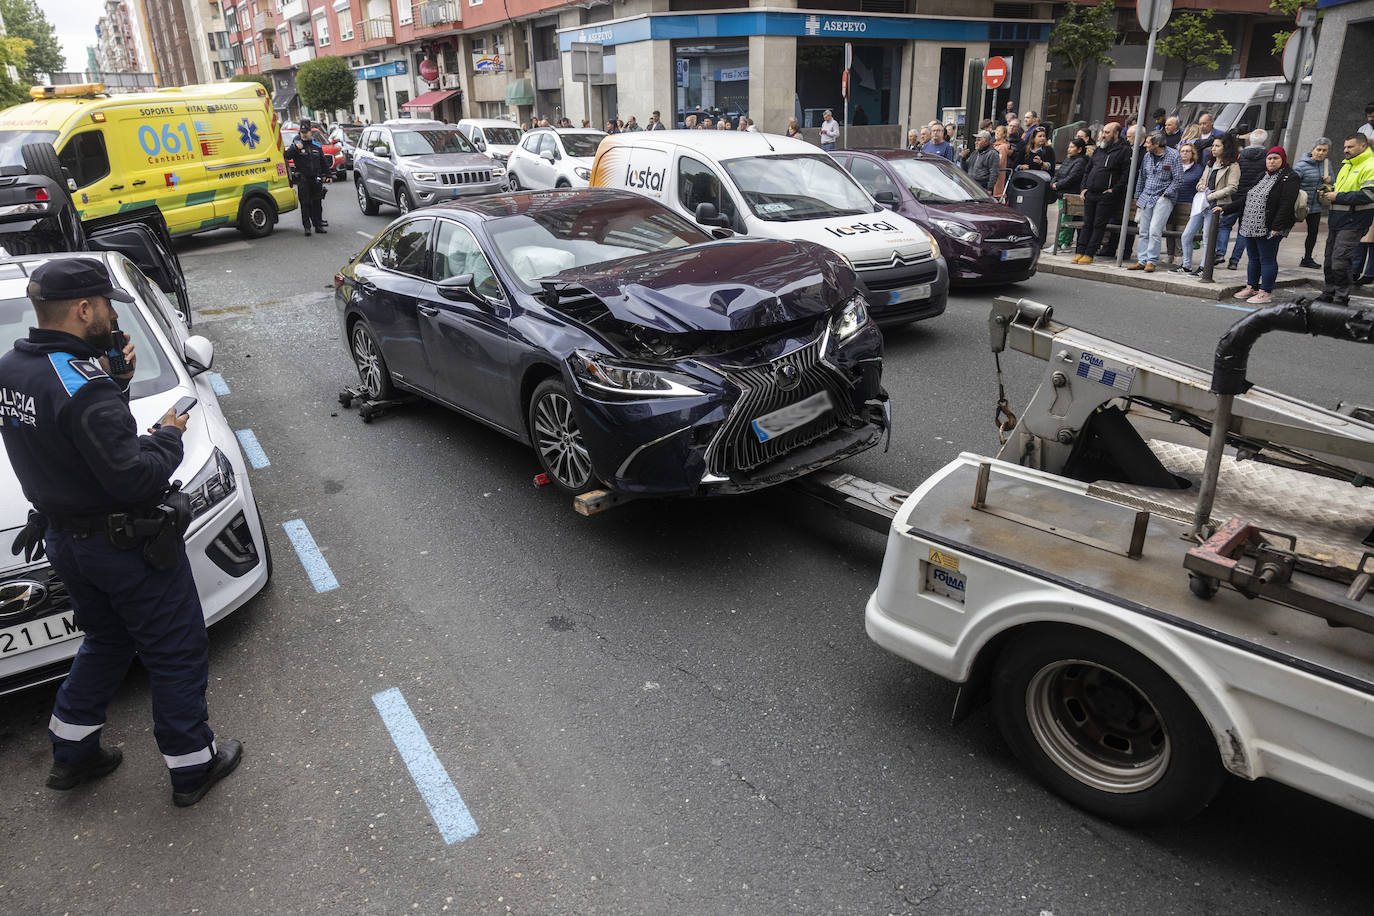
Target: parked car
{"points": [[983, 241], [554, 158], [228, 549], [619, 340], [347, 137], [494, 137], [409, 164]]}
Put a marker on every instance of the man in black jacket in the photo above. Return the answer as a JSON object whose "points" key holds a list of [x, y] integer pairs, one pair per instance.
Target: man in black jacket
{"points": [[97, 485], [313, 169], [1104, 189], [1251, 162]]}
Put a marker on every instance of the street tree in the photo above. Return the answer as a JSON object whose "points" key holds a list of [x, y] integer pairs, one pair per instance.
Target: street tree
{"points": [[12, 51], [327, 84], [43, 57], [1195, 42], [1288, 9], [1083, 36], [261, 78]]}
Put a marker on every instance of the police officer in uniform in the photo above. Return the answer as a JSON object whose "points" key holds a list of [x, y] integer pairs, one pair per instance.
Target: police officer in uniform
{"points": [[98, 487], [313, 169]]}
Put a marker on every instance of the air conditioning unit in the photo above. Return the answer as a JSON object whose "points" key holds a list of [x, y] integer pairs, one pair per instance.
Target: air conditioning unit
{"points": [[449, 81]]}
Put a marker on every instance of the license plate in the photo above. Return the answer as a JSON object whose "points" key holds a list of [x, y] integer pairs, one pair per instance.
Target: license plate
{"points": [[774, 424], [909, 294], [38, 633], [1016, 254], [455, 192], [946, 582]]}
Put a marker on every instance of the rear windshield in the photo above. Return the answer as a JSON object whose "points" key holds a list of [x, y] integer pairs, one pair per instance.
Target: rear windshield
{"points": [[502, 136], [581, 144], [13, 141], [424, 142]]}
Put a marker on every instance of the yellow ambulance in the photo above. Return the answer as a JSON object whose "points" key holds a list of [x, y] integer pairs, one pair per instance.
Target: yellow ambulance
{"points": [[206, 156]]}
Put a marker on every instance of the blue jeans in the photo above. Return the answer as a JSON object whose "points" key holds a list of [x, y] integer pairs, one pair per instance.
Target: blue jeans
{"points": [[1196, 223], [827, 146], [1262, 268], [1224, 234], [1151, 221]]}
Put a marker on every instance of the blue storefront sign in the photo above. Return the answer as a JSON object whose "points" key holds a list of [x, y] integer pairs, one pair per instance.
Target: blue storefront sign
{"points": [[801, 25], [377, 71]]}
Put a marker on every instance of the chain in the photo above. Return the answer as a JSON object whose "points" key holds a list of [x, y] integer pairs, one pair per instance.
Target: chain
{"points": [[1003, 416]]}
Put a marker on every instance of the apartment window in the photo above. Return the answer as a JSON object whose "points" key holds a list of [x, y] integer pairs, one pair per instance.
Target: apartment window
{"points": [[210, 39], [224, 39], [472, 3], [322, 30], [345, 17], [218, 73], [250, 55], [231, 19], [404, 12]]}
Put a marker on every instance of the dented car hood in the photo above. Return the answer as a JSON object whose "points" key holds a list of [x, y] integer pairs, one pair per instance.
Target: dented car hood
{"points": [[732, 285]]}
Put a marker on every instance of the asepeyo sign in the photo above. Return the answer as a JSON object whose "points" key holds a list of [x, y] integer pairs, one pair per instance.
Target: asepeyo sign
{"points": [[815, 25]]}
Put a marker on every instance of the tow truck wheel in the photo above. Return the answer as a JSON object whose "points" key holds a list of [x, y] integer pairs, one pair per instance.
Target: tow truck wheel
{"points": [[1105, 728], [365, 201], [367, 356], [558, 440]]}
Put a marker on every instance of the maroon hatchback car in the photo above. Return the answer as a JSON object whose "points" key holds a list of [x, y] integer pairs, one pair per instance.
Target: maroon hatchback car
{"points": [[983, 242]]}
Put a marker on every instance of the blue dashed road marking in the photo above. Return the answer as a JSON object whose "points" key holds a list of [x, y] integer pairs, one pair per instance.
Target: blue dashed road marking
{"points": [[316, 567], [252, 449], [446, 806], [218, 385]]}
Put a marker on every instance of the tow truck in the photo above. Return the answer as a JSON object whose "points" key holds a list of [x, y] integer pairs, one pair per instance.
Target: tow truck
{"points": [[1162, 577]]}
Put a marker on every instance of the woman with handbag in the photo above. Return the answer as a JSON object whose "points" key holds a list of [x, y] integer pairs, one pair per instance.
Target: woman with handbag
{"points": [[1069, 180], [1315, 172], [1214, 189]]}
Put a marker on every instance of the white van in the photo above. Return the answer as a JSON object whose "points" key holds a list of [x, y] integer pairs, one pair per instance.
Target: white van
{"points": [[777, 187], [1239, 102], [492, 136]]}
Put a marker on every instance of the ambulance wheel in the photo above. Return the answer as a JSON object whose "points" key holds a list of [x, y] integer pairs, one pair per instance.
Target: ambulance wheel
{"points": [[403, 201], [41, 159], [257, 216], [367, 356], [365, 201], [514, 182], [557, 439], [1104, 727]]}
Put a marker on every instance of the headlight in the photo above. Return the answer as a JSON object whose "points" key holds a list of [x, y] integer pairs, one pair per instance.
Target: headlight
{"points": [[851, 320], [604, 374], [212, 485], [423, 176], [955, 231], [497, 171], [584, 174]]}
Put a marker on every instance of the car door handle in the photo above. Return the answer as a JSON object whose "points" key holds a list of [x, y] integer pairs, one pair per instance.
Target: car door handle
{"points": [[139, 182], [428, 311], [116, 187]]}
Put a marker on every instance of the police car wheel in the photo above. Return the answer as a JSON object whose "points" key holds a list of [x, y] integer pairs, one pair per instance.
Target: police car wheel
{"points": [[367, 356], [403, 201], [365, 201], [558, 440]]}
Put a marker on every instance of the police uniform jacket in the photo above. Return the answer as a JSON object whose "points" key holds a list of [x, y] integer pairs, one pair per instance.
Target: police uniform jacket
{"points": [[71, 439], [307, 154]]}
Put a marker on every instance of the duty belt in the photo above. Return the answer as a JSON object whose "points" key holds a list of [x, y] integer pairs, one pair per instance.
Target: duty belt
{"points": [[136, 524]]}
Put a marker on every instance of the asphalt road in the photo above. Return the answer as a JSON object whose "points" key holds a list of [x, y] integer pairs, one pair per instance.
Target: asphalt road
{"points": [[669, 708]]}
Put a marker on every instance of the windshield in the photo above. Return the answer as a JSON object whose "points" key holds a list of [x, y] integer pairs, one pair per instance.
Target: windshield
{"points": [[12, 142], [423, 142], [931, 183], [794, 187], [503, 136], [580, 144], [152, 372], [352, 134], [543, 242]]}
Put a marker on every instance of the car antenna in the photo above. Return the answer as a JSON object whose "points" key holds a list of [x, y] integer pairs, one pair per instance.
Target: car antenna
{"points": [[766, 140]]}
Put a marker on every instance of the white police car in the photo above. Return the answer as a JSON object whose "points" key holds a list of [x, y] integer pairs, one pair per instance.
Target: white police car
{"points": [[226, 544]]}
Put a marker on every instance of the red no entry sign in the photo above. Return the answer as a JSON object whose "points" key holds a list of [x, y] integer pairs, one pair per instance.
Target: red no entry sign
{"points": [[995, 72]]}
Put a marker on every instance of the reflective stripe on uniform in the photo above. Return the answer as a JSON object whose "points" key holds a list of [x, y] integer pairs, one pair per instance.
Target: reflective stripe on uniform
{"points": [[195, 758], [68, 732]]}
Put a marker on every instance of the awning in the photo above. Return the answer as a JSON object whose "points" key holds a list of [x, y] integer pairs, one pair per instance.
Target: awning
{"points": [[428, 101], [520, 92], [283, 99]]}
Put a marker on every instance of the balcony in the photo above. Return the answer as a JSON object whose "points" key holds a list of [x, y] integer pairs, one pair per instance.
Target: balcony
{"points": [[378, 28], [548, 74], [436, 12], [224, 52], [295, 10], [270, 61], [264, 21], [300, 55]]}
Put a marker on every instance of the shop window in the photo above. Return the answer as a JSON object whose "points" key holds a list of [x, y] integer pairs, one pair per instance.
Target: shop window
{"points": [[697, 184], [872, 82], [711, 79], [84, 157]]}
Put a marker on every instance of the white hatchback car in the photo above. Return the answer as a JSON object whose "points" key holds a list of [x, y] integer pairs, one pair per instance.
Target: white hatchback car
{"points": [[550, 157], [229, 553]]}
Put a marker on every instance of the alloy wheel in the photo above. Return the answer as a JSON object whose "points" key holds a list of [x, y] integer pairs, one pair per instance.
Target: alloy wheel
{"points": [[559, 441], [368, 360]]}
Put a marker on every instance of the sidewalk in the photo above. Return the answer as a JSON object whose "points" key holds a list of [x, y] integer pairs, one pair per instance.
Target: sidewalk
{"points": [[1227, 282]]}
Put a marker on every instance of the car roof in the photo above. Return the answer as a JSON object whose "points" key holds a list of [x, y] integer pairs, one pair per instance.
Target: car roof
{"points": [[720, 144], [567, 130], [417, 123], [489, 122], [518, 202]]}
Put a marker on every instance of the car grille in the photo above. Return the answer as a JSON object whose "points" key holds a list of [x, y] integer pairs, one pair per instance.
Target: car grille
{"points": [[481, 176], [895, 259], [17, 607], [900, 279], [737, 448]]}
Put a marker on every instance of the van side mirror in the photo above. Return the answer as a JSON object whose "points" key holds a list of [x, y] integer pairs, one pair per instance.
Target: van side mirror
{"points": [[198, 354], [707, 215], [887, 199]]}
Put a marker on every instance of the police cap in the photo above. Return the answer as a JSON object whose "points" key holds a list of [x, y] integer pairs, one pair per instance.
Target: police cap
{"points": [[73, 278]]}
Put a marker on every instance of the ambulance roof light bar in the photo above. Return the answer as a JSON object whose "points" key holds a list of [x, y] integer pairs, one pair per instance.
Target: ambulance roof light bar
{"points": [[80, 91]]}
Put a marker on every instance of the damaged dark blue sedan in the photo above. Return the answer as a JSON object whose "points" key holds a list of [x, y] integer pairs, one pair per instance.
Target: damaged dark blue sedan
{"points": [[629, 348]]}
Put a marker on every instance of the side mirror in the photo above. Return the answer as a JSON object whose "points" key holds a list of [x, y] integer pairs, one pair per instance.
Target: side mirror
{"points": [[720, 232], [547, 155], [706, 215], [462, 289], [381, 149], [888, 199], [198, 354]]}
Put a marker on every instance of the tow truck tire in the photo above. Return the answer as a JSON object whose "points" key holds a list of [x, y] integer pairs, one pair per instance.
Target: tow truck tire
{"points": [[367, 356], [557, 441], [257, 216], [365, 201], [41, 159], [1105, 728]]}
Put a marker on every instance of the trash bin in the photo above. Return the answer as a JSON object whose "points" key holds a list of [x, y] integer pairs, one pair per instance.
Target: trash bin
{"points": [[1028, 192]]}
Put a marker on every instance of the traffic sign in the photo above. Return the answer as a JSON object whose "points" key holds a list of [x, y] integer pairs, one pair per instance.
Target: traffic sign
{"points": [[1153, 14], [844, 84], [995, 72], [1290, 57]]}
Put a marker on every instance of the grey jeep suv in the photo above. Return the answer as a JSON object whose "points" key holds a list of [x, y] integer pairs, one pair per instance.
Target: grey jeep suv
{"points": [[409, 164]]}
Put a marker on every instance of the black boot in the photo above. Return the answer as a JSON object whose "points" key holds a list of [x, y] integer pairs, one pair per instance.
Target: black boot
{"points": [[307, 230], [1309, 264], [64, 776], [228, 753]]}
